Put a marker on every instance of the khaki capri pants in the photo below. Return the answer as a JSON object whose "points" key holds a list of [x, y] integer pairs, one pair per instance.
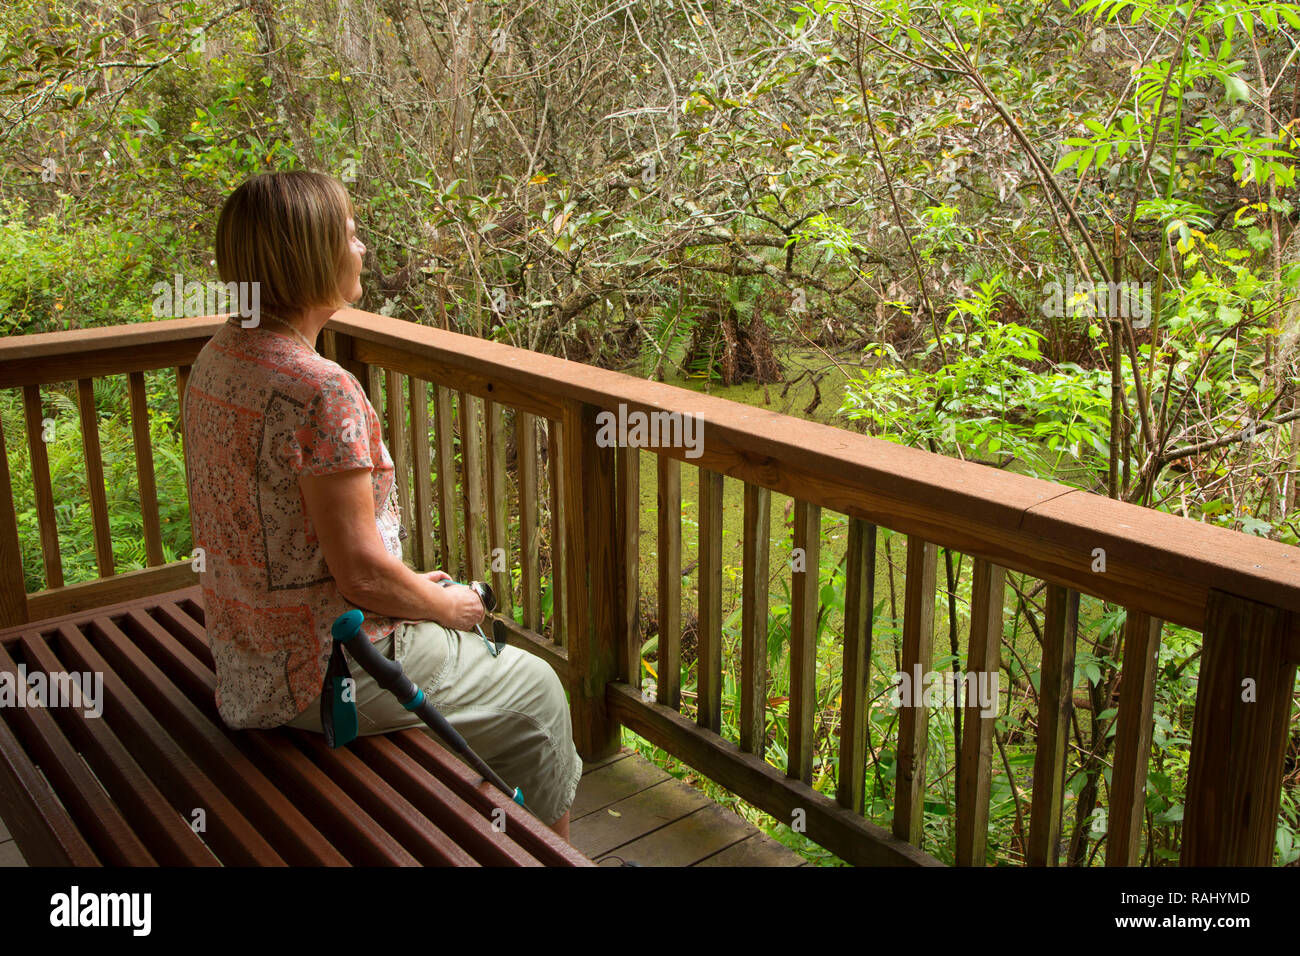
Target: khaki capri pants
{"points": [[510, 709]]}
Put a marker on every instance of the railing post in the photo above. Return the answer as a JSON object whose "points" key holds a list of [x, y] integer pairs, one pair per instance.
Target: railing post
{"points": [[13, 590], [471, 458], [1239, 734], [805, 593], [340, 347], [529, 537], [975, 763], [669, 547], [917, 651], [1055, 700], [859, 604], [629, 568], [709, 645], [753, 619], [1128, 778], [593, 595]]}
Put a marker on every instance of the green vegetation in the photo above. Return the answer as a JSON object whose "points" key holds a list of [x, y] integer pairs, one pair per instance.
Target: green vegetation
{"points": [[1054, 238]]}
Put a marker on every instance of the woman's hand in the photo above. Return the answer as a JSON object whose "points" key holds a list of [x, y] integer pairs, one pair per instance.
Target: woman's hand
{"points": [[465, 608]]}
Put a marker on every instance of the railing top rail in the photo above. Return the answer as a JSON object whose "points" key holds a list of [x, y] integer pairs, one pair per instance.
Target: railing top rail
{"points": [[1156, 562], [49, 357]]}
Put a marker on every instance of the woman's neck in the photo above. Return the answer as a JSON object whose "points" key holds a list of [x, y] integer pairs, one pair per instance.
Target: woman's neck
{"points": [[308, 324]]}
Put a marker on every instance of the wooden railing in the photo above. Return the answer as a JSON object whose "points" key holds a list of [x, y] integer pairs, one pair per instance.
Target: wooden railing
{"points": [[1241, 592]]}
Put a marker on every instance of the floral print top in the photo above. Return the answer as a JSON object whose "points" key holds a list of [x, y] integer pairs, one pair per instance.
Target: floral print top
{"points": [[260, 411]]}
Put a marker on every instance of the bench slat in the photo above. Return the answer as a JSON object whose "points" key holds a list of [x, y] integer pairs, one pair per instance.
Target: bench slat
{"points": [[353, 797], [524, 828], [171, 839], [187, 632], [36, 819], [437, 788], [385, 803], [427, 789], [315, 806], [276, 796], [96, 816], [235, 840]]}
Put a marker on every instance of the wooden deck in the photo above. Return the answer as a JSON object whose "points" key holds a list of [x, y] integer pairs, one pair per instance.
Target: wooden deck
{"points": [[9, 855], [627, 809]]}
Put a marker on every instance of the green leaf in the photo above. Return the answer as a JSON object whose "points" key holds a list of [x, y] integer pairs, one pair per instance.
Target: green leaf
{"points": [[1069, 159], [1235, 89]]}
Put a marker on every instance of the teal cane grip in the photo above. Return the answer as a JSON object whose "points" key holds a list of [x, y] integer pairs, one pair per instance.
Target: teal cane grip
{"points": [[346, 625], [387, 674]]}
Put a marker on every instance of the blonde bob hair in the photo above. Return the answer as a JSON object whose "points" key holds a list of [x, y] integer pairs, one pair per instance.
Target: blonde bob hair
{"points": [[287, 232]]}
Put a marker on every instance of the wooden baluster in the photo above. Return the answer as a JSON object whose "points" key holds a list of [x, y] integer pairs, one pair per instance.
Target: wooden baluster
{"points": [[804, 596], [753, 620], [375, 388], [669, 657], [344, 347], [975, 762], [13, 588], [471, 457], [1055, 700], [370, 384], [1128, 778], [529, 530], [859, 604], [329, 346], [445, 459], [555, 465], [591, 578], [42, 486], [144, 470], [95, 477], [424, 548], [182, 380], [917, 655], [629, 538], [1239, 733], [395, 419], [709, 657], [497, 508]]}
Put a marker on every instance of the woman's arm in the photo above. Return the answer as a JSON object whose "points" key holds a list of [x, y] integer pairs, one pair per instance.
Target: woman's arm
{"points": [[341, 507]]}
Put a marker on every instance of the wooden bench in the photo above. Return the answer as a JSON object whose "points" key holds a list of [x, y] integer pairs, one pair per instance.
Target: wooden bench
{"points": [[158, 779]]}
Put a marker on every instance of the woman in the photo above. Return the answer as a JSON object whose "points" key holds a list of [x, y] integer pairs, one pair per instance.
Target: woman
{"points": [[292, 498]]}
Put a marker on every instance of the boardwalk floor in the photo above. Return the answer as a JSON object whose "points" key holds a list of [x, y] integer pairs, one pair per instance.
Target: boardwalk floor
{"points": [[627, 809], [9, 855]]}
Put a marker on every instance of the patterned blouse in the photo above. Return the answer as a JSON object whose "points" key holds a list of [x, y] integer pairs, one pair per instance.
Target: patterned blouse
{"points": [[261, 410]]}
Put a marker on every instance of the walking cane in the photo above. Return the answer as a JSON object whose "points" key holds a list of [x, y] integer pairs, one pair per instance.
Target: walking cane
{"points": [[390, 676]]}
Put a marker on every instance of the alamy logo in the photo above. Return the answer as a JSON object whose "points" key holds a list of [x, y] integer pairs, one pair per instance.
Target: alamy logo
{"points": [[187, 299], [934, 689], [1104, 300], [75, 908], [637, 429], [81, 691]]}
